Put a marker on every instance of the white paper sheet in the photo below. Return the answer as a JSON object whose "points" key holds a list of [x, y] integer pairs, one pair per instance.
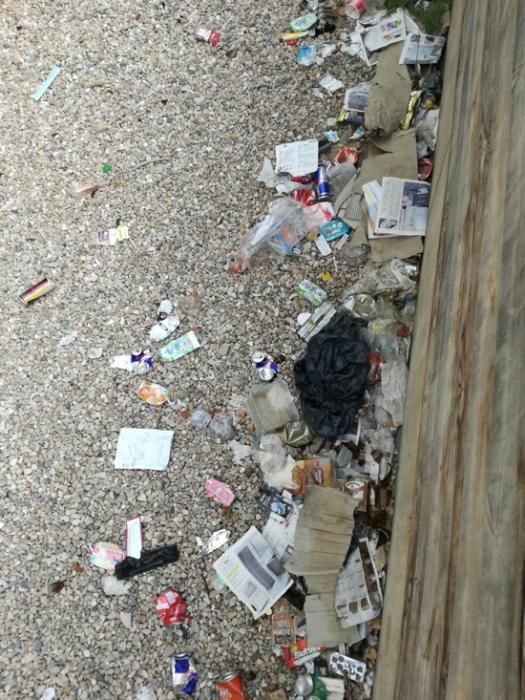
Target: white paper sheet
{"points": [[253, 571], [139, 448], [297, 158]]}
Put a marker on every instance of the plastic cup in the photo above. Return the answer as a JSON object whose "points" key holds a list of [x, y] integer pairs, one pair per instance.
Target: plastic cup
{"points": [[355, 8]]}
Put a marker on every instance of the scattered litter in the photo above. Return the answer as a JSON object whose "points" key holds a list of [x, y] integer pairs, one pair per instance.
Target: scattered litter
{"points": [[330, 464], [179, 347], [106, 555], [331, 84], [217, 540], [134, 537], [322, 246], [311, 292], [136, 363], [164, 328], [301, 24], [423, 49], [48, 694], [91, 189], [334, 229], [142, 448], [355, 8], [154, 394], [112, 586], [271, 406], [389, 30], [240, 451], [36, 291], [184, 674], [164, 309], [297, 158], [403, 207], [331, 377], [275, 463], [149, 560], [264, 366], [112, 236], [208, 36], [46, 84], [303, 318], [331, 136], [219, 492], [342, 665], [306, 56], [171, 608]]}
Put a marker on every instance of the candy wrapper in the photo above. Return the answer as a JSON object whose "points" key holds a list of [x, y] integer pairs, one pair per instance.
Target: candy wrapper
{"points": [[105, 555]]}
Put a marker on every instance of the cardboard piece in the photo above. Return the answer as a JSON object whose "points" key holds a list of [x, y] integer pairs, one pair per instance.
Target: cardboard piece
{"points": [[322, 537], [322, 625], [392, 157], [389, 93]]}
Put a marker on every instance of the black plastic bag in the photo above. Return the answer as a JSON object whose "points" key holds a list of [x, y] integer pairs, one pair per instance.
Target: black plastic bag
{"points": [[150, 559], [331, 377]]}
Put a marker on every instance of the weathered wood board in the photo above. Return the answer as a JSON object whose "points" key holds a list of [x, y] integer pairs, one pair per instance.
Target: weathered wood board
{"points": [[453, 623]]}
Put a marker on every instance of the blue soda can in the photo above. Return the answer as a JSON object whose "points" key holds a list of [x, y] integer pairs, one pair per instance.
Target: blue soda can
{"points": [[323, 188]]}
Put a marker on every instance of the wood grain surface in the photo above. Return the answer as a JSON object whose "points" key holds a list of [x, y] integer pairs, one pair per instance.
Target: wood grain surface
{"points": [[453, 621]]}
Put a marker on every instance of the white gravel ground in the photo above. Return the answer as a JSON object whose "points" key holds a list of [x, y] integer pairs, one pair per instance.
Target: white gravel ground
{"points": [[185, 128]]}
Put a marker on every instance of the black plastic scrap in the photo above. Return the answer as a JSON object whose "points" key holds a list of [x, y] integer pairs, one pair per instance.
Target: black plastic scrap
{"points": [[149, 560], [331, 377]]}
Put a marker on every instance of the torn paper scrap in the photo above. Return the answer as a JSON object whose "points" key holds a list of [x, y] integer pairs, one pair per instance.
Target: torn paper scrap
{"points": [[140, 448], [297, 158]]}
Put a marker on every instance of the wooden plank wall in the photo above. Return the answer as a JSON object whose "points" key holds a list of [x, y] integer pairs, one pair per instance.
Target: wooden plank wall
{"points": [[453, 624]]}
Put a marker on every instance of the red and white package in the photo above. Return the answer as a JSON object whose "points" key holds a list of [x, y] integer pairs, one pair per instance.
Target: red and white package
{"points": [[171, 608], [219, 492], [134, 537], [209, 36]]}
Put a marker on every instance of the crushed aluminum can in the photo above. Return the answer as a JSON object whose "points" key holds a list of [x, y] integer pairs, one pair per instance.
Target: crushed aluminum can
{"points": [[231, 687], [184, 674], [208, 36], [171, 608], [264, 365]]}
